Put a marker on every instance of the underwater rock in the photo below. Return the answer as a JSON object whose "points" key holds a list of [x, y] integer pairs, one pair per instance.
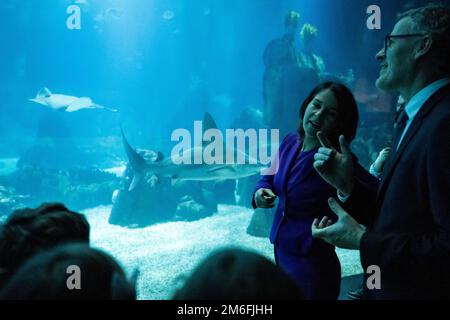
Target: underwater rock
{"points": [[160, 199], [307, 58], [7, 165], [89, 195], [287, 79], [10, 201], [244, 190], [54, 147], [76, 188], [188, 209], [52, 153], [151, 203], [261, 222], [138, 201], [222, 191], [285, 88], [249, 118], [311, 61], [285, 85]]}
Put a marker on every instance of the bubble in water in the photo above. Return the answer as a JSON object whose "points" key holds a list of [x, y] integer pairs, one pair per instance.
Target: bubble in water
{"points": [[168, 15]]}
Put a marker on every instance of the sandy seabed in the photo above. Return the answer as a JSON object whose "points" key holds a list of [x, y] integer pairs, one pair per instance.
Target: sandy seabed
{"points": [[166, 253]]}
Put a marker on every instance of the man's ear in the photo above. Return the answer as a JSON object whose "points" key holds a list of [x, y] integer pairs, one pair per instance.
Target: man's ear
{"points": [[424, 46]]}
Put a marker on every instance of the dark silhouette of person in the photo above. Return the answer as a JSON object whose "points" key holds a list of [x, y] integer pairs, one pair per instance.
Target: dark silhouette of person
{"points": [[236, 274], [52, 275], [408, 213], [30, 231], [302, 193]]}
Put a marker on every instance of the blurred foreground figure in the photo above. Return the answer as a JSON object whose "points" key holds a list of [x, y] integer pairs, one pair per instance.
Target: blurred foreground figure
{"points": [[52, 275], [234, 274], [30, 231]]}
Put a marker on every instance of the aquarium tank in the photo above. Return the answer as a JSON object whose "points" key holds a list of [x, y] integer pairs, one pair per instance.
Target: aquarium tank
{"points": [[155, 118]]}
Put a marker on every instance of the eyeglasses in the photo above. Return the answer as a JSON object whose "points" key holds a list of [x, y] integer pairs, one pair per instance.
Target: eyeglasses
{"points": [[387, 39]]}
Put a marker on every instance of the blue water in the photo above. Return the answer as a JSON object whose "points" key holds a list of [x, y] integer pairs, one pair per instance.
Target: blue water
{"points": [[161, 71], [162, 64]]}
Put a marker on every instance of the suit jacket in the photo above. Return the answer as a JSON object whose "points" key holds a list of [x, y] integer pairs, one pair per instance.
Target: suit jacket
{"points": [[409, 213]]}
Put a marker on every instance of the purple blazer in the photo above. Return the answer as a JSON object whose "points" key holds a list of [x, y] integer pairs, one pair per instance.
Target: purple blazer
{"points": [[302, 196]]}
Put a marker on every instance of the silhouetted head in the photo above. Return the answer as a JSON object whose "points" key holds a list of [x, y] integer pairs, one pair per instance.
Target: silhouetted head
{"points": [[331, 109], [30, 231], [418, 46], [234, 274], [70, 272]]}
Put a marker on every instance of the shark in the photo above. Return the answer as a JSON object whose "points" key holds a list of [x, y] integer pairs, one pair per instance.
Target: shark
{"points": [[166, 167], [66, 103]]}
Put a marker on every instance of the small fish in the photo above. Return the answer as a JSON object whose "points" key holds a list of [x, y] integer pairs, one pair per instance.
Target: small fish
{"points": [[113, 13], [168, 15], [65, 102]]}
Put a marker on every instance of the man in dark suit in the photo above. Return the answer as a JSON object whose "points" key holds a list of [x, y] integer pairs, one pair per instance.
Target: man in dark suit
{"points": [[408, 216]]}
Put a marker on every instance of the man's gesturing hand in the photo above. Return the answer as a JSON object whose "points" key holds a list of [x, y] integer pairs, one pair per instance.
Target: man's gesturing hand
{"points": [[345, 233], [335, 167]]}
